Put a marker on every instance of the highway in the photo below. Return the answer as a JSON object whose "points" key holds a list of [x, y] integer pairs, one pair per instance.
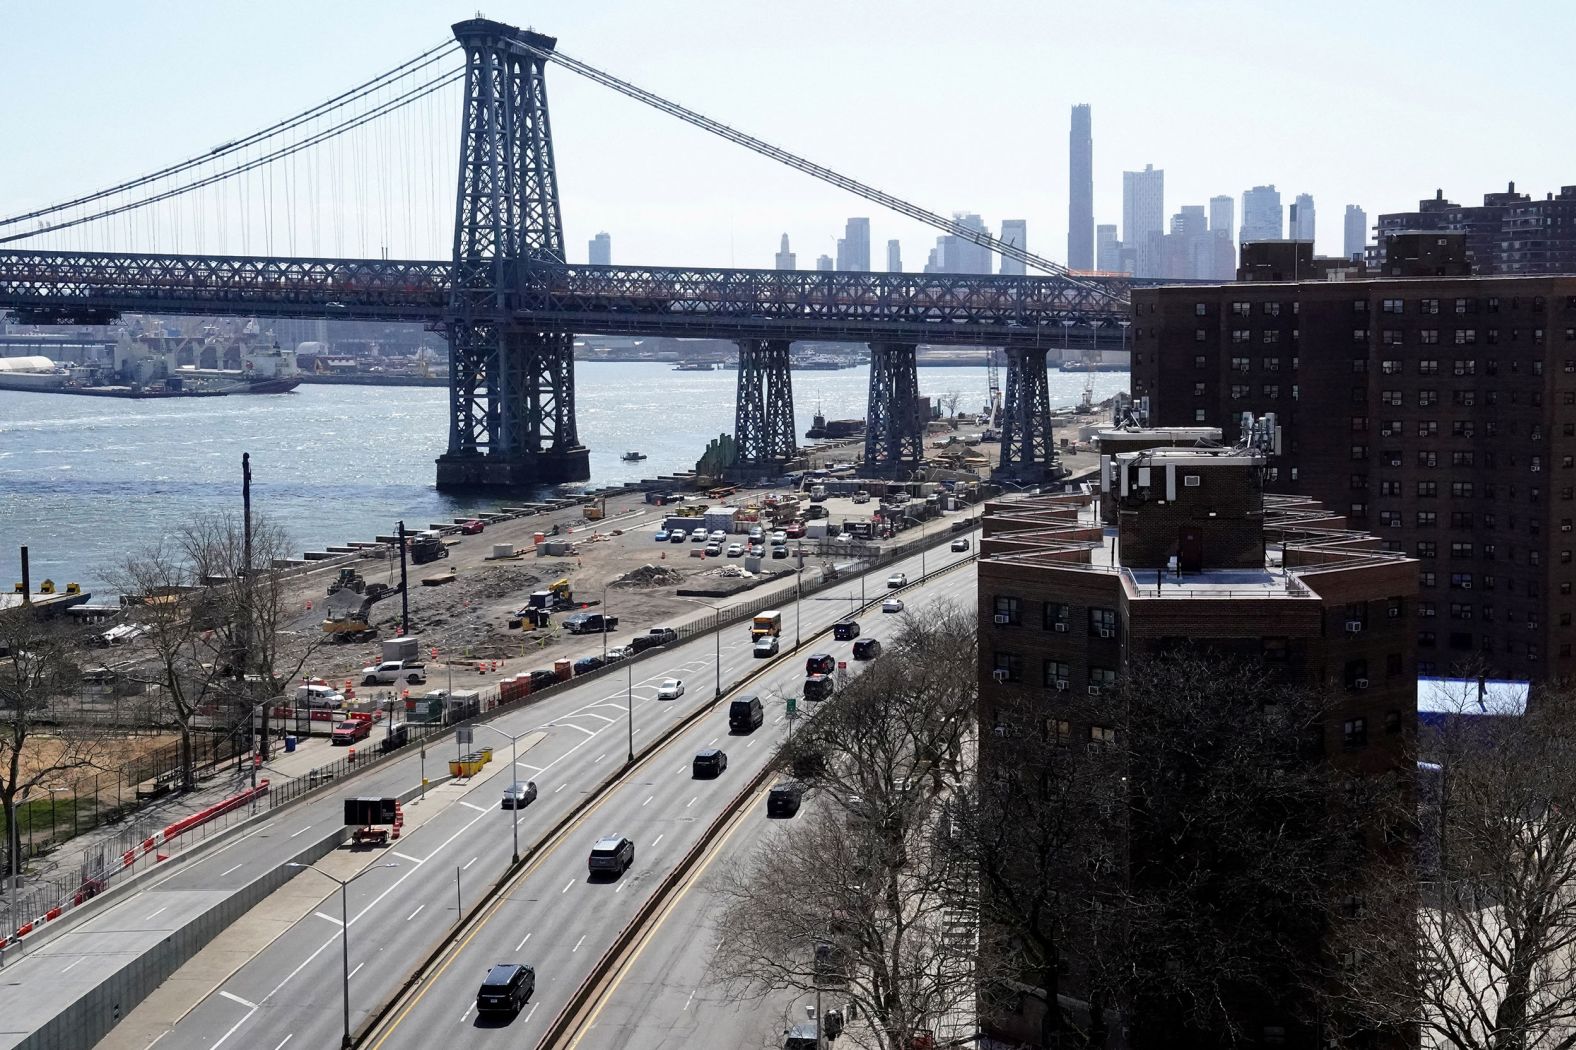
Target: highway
{"points": [[290, 991], [560, 920]]}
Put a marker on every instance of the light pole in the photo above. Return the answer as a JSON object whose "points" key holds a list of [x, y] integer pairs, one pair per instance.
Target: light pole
{"points": [[629, 704], [514, 772], [716, 614], [344, 926], [604, 625], [916, 521]]}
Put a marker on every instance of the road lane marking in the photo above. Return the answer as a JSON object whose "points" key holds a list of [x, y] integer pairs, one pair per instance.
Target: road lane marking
{"points": [[237, 999], [154, 915], [330, 918], [406, 856], [619, 888], [648, 799], [285, 1040], [714, 741], [534, 769], [691, 802], [227, 871], [479, 809], [566, 888], [73, 964], [599, 758], [578, 943], [532, 1011], [293, 834], [468, 863], [603, 718], [467, 1012], [691, 999], [583, 729], [237, 1025], [357, 970], [749, 745], [655, 841], [560, 787], [522, 942], [415, 913]]}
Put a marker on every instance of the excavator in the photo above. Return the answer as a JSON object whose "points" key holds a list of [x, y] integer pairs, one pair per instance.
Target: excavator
{"points": [[349, 614]]}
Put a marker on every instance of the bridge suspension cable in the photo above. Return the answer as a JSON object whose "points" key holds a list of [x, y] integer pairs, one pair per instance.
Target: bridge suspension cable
{"points": [[383, 108], [347, 98], [870, 193]]}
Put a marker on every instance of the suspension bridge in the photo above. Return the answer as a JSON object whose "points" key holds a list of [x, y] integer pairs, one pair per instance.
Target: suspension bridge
{"points": [[509, 303]]}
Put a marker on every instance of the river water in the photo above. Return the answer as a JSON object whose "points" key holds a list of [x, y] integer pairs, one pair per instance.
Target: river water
{"points": [[83, 480]]}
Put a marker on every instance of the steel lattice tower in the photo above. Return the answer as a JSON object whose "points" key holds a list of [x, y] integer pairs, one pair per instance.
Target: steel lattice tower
{"points": [[511, 392], [763, 416], [894, 433], [1027, 452]]}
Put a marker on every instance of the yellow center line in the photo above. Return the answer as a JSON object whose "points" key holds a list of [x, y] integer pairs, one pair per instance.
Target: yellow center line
{"points": [[662, 917]]}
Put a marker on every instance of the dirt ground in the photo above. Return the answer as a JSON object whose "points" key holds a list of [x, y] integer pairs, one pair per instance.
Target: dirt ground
{"points": [[106, 755]]}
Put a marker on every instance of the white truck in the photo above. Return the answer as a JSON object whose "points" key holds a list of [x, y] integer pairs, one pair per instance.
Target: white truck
{"points": [[392, 672]]}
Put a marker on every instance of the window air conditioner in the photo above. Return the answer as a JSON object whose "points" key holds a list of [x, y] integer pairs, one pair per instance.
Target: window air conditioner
{"points": [[1466, 585], [1106, 632], [1000, 674], [1060, 628], [1394, 614], [1354, 626], [1191, 481], [1361, 683], [1003, 618], [1061, 683], [1094, 690]]}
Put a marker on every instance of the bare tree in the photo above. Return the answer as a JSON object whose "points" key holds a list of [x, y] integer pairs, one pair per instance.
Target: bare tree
{"points": [[38, 667], [872, 893], [949, 403], [1476, 950]]}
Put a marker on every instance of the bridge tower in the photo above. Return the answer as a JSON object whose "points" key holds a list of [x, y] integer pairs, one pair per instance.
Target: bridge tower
{"points": [[763, 416], [1028, 454], [894, 433], [511, 388]]}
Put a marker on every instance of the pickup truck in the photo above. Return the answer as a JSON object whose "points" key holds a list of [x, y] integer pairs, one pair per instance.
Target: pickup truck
{"points": [[391, 672], [653, 638], [590, 623], [351, 731]]}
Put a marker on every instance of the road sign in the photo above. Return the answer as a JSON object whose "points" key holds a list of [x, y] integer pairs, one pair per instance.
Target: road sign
{"points": [[462, 734], [793, 707]]}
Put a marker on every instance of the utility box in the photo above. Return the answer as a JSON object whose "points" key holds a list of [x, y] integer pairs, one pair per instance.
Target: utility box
{"points": [[401, 649]]}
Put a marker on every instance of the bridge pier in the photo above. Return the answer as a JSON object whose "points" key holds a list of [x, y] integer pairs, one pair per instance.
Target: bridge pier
{"points": [[763, 415], [894, 433], [1028, 454]]}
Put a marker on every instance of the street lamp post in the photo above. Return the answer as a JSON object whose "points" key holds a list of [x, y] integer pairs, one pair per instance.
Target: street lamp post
{"points": [[344, 926], [716, 614], [604, 625], [629, 703], [514, 772]]}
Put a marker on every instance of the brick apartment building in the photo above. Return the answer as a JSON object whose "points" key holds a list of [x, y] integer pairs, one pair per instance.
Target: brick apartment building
{"points": [[1438, 412], [1186, 547], [1509, 233]]}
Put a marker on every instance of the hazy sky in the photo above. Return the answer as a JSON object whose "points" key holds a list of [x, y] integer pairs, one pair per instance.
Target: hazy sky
{"points": [[954, 106]]}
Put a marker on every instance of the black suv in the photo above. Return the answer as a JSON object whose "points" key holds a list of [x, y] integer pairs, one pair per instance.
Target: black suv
{"points": [[820, 663], [710, 763], [505, 989], [745, 714], [541, 679], [784, 798], [846, 630], [612, 853], [867, 649]]}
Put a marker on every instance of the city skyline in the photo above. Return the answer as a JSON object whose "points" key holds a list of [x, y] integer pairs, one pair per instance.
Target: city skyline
{"points": [[707, 202]]}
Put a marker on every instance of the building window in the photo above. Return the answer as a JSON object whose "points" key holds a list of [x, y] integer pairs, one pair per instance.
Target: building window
{"points": [[1462, 305], [1425, 489], [1460, 459], [1359, 510], [1391, 337], [1461, 428], [1428, 306], [1427, 549], [1272, 309], [1462, 489], [1392, 721], [1198, 415], [1241, 309], [1427, 428], [1102, 736], [1425, 640], [1465, 367], [1427, 398], [1102, 622], [1272, 390], [1008, 611], [1461, 549], [1200, 309], [1428, 458], [1357, 674], [1427, 610], [1461, 610], [1271, 335], [1198, 361], [1360, 335], [1271, 364], [1239, 391], [1198, 389], [1241, 335], [1463, 398], [1390, 519], [1428, 367], [1359, 451], [1240, 364], [1200, 335], [1009, 667], [1390, 306], [1102, 677], [1354, 733], [1466, 336], [1057, 674]]}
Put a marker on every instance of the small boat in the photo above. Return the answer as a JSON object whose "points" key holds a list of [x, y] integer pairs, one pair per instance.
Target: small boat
{"points": [[634, 457]]}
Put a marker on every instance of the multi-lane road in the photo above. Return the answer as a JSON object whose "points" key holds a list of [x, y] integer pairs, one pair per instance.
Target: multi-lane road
{"points": [[553, 917]]}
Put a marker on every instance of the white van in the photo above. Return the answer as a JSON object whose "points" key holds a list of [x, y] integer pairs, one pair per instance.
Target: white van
{"points": [[318, 696]]}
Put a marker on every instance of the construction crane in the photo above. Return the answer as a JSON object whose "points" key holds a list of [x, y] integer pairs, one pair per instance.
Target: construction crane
{"points": [[1117, 301]]}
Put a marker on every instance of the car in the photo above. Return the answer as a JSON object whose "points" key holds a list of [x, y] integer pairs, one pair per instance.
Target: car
{"points": [[755, 550], [820, 663], [735, 550], [861, 496], [472, 527], [845, 630], [779, 538], [541, 679], [670, 689], [661, 536], [623, 652], [779, 552], [801, 552], [711, 762], [757, 533], [892, 605], [718, 536], [766, 645], [818, 687], [587, 664], [677, 536], [784, 798], [351, 731], [713, 551], [897, 579], [611, 853], [505, 989], [698, 536], [745, 714], [867, 648], [517, 795], [960, 544], [795, 531]]}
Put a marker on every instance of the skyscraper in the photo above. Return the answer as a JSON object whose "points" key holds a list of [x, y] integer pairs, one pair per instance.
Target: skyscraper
{"points": [[1222, 213], [1301, 225], [1108, 249], [1356, 238], [1080, 192], [1261, 214], [601, 252], [853, 248], [894, 256], [1223, 238], [823, 262], [1016, 233], [1144, 217], [785, 259], [954, 254]]}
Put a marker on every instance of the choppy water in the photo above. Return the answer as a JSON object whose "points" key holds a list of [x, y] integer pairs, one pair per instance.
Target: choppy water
{"points": [[83, 480]]}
